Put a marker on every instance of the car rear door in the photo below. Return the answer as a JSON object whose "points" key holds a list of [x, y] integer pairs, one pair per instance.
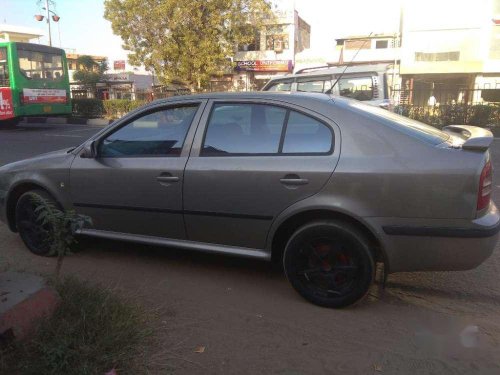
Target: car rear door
{"points": [[134, 184], [250, 160]]}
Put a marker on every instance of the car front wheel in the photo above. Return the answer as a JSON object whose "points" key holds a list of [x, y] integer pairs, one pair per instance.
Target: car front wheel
{"points": [[35, 235], [329, 263]]}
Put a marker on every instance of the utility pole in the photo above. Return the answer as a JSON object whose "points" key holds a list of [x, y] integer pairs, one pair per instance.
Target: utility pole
{"points": [[48, 20]]}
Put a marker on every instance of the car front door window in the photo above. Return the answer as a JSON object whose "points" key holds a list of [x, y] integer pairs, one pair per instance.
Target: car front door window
{"points": [[160, 133]]}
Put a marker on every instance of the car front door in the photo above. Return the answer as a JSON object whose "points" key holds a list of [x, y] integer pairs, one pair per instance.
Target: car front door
{"points": [[251, 160], [134, 183]]}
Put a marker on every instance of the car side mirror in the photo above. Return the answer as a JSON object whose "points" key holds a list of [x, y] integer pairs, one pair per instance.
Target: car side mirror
{"points": [[89, 150]]}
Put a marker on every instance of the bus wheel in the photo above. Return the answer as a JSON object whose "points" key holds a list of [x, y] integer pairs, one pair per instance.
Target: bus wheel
{"points": [[10, 123]]}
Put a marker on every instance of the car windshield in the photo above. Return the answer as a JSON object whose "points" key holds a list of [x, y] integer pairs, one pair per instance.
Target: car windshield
{"points": [[411, 127]]}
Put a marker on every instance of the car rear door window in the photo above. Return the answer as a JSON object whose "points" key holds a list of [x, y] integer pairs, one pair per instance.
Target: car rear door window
{"points": [[244, 129], [306, 135], [316, 84], [285, 85], [160, 133], [359, 88]]}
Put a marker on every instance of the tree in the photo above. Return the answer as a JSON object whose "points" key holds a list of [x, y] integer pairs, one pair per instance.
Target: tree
{"points": [[190, 40], [90, 72]]}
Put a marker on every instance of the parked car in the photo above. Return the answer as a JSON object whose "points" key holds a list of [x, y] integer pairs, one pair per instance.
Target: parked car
{"points": [[328, 185], [367, 83]]}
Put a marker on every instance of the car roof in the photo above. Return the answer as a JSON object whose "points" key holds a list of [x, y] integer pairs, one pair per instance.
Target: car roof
{"points": [[353, 69], [289, 97]]}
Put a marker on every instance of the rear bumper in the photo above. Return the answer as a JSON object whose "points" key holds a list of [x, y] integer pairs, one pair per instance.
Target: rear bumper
{"points": [[439, 245]]}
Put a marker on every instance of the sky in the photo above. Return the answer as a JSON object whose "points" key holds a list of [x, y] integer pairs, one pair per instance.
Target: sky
{"points": [[83, 28]]}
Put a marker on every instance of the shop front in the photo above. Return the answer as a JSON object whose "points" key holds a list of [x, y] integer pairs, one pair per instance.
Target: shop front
{"points": [[252, 75]]}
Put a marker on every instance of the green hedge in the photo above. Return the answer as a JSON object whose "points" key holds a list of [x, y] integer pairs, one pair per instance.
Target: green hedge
{"points": [[89, 108], [114, 108], [477, 115]]}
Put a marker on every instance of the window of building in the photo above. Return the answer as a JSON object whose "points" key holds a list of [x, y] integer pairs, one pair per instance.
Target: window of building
{"points": [[256, 129], [360, 88], [305, 135], [160, 133], [379, 44], [4, 68], [254, 44], [277, 38], [491, 95]]}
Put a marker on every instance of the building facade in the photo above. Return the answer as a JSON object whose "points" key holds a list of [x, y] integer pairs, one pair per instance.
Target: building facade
{"points": [[11, 33], [271, 53], [453, 57]]}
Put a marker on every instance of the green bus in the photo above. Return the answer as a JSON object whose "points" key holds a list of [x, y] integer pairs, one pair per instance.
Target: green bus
{"points": [[33, 81]]}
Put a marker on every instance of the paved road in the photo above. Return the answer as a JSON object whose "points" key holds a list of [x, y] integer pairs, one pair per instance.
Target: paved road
{"points": [[251, 321]]}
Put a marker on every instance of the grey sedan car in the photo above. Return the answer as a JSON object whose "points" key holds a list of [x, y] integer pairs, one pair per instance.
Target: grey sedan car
{"points": [[328, 186]]}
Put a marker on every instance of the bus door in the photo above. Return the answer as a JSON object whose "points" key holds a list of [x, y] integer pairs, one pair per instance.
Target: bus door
{"points": [[6, 104]]}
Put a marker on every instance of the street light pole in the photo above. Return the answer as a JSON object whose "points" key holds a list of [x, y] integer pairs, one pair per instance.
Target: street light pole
{"points": [[48, 20]]}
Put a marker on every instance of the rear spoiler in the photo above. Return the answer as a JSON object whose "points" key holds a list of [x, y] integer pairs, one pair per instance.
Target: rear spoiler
{"points": [[476, 138]]}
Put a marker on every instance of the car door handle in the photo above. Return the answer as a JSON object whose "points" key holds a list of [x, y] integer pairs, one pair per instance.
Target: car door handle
{"points": [[167, 178], [294, 181]]}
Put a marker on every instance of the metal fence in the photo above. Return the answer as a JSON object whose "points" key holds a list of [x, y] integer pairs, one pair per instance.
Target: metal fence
{"points": [[442, 105], [446, 95]]}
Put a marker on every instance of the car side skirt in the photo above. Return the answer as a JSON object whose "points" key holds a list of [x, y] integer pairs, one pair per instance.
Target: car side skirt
{"points": [[182, 244]]}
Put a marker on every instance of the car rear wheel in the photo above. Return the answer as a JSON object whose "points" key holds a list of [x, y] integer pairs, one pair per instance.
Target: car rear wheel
{"points": [[34, 234], [329, 263]]}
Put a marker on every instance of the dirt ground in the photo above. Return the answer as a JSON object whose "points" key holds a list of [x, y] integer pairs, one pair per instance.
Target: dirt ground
{"points": [[250, 321]]}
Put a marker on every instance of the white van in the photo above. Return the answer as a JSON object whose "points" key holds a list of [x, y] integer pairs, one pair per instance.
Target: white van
{"points": [[367, 83]]}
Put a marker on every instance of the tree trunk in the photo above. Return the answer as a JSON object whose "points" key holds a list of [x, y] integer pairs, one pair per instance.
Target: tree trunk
{"points": [[60, 258]]}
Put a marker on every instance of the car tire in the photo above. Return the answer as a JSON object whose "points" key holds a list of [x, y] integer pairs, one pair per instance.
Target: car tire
{"points": [[329, 263], [35, 236]]}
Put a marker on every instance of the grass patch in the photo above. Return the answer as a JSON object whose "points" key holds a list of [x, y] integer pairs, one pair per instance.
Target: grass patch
{"points": [[92, 332]]}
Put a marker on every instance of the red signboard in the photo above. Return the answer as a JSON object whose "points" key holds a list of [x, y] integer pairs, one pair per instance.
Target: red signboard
{"points": [[119, 65], [6, 105], [265, 65], [34, 96]]}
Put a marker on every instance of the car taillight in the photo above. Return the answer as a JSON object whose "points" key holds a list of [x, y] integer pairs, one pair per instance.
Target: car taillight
{"points": [[21, 98], [485, 181]]}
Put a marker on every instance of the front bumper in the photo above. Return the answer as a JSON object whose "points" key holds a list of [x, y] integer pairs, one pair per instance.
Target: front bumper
{"points": [[438, 244]]}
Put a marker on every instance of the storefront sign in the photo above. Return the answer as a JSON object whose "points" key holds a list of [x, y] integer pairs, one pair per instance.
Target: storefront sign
{"points": [[31, 96], [6, 105], [265, 65], [119, 65]]}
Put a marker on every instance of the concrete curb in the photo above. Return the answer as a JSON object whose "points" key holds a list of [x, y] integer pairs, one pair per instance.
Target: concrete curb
{"points": [[64, 121], [24, 300]]}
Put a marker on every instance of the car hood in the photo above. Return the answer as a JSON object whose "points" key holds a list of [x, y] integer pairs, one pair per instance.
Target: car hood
{"points": [[59, 158]]}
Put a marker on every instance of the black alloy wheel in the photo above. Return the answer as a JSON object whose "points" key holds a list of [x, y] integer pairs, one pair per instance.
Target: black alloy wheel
{"points": [[34, 234], [329, 263]]}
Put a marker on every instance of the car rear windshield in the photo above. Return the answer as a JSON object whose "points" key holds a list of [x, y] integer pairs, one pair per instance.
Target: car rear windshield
{"points": [[411, 127]]}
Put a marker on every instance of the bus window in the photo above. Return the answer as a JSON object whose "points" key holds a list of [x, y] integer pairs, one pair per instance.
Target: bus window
{"points": [[360, 88], [40, 65], [4, 68], [280, 86]]}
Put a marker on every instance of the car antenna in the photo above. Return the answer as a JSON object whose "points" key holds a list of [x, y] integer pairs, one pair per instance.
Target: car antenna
{"points": [[329, 91]]}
